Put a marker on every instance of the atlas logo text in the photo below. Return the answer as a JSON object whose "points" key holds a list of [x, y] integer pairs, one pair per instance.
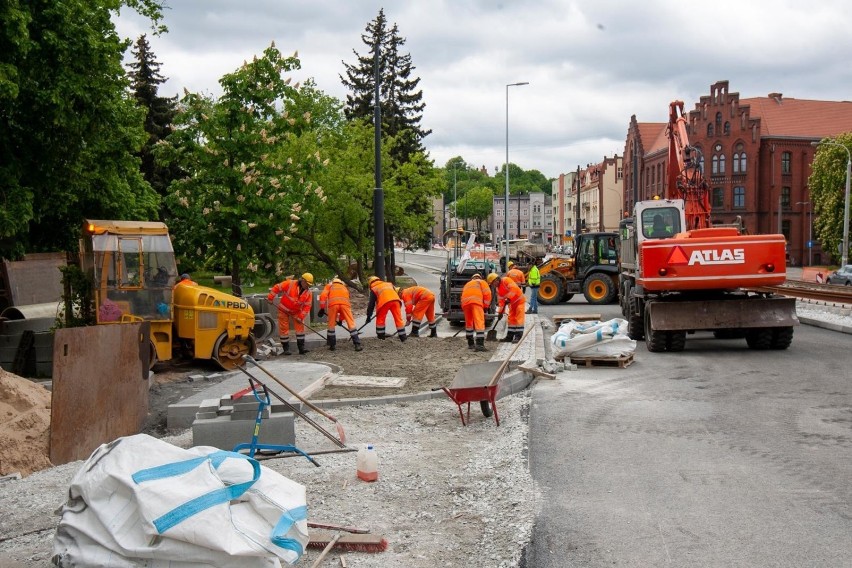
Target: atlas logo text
{"points": [[724, 256]]}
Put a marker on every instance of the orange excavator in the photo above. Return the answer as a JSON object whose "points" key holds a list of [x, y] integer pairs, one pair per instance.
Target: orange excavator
{"points": [[679, 274]]}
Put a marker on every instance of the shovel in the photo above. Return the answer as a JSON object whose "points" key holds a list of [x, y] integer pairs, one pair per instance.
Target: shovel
{"points": [[491, 335]]}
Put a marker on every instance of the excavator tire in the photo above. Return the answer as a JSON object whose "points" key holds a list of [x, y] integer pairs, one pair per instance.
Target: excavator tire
{"points": [[782, 337], [598, 289], [635, 325], [655, 340], [675, 341], [550, 290], [760, 338]]}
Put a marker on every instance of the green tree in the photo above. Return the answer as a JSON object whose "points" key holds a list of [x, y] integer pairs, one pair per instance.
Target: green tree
{"points": [[244, 195], [342, 230], [401, 101], [827, 185], [159, 113], [69, 130], [477, 204]]}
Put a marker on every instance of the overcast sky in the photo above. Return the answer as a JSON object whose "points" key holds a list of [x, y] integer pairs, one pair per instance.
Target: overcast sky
{"points": [[591, 64]]}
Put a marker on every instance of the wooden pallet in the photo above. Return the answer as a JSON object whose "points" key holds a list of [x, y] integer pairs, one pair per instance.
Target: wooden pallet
{"points": [[619, 362], [558, 319]]}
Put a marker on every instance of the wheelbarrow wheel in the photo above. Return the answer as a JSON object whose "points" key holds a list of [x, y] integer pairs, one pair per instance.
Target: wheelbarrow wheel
{"points": [[486, 408]]}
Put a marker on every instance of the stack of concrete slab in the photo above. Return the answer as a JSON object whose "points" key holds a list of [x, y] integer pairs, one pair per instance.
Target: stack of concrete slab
{"points": [[223, 423]]}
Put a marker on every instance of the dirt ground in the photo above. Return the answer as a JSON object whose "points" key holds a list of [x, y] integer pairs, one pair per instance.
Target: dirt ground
{"points": [[424, 362]]}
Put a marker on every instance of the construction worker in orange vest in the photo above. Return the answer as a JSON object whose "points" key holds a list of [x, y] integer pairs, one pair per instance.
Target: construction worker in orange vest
{"points": [[516, 274], [384, 299], [294, 306], [419, 302], [475, 298], [185, 280], [335, 298], [508, 292]]}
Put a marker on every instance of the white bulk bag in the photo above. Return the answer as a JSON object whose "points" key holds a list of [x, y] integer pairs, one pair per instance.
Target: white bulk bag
{"points": [[140, 501], [592, 339]]}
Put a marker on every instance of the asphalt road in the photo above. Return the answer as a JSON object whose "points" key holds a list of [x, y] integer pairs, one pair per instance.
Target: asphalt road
{"points": [[715, 456]]}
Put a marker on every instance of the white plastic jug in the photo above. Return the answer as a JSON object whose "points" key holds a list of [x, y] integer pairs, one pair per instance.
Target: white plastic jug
{"points": [[368, 463]]}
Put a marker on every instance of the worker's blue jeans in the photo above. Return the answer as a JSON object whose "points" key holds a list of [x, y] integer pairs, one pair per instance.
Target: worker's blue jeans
{"points": [[533, 299]]}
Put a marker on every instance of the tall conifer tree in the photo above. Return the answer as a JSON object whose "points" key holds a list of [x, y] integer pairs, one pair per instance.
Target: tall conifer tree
{"points": [[401, 100], [160, 112]]}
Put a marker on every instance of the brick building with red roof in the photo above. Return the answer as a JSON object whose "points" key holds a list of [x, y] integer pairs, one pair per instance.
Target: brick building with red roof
{"points": [[757, 157]]}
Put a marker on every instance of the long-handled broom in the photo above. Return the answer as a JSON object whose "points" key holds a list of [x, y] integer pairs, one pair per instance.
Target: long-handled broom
{"points": [[359, 540], [340, 432]]}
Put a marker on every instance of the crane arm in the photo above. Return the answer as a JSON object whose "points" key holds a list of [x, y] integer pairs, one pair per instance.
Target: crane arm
{"points": [[684, 179]]}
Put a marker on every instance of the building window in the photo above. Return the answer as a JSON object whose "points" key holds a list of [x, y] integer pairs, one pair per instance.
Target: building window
{"points": [[739, 197], [709, 129], [719, 119], [785, 197], [785, 162], [739, 165], [718, 197], [701, 163], [721, 163], [619, 172], [718, 164], [727, 127], [785, 229]]}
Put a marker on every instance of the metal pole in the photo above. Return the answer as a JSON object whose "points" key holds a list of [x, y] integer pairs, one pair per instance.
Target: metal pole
{"points": [[378, 194], [845, 253], [455, 199], [810, 234], [506, 204]]}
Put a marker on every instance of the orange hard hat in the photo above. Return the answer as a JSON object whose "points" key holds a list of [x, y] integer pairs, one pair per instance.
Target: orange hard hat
{"points": [[372, 279], [491, 277]]}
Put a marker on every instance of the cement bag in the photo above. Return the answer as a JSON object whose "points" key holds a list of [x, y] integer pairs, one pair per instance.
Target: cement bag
{"points": [[139, 501], [592, 339]]}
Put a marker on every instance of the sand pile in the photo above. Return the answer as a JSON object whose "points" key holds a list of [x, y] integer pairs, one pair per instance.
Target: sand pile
{"points": [[24, 425]]}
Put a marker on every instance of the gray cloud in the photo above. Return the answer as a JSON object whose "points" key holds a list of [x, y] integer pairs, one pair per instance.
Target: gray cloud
{"points": [[590, 64]]}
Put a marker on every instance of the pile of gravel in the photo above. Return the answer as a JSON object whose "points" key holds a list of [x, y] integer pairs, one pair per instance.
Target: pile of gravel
{"points": [[820, 312], [447, 495]]}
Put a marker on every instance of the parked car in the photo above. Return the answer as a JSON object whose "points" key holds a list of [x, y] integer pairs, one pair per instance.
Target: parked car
{"points": [[842, 276]]}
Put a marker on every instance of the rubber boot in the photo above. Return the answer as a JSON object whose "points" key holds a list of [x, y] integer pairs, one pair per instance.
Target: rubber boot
{"points": [[508, 338], [516, 337], [357, 341], [286, 346], [402, 336], [415, 331], [380, 334], [480, 344], [331, 340], [470, 342], [434, 332], [300, 343]]}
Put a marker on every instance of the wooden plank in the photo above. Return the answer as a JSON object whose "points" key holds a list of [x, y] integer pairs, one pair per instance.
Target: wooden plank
{"points": [[100, 387], [537, 372], [557, 319]]}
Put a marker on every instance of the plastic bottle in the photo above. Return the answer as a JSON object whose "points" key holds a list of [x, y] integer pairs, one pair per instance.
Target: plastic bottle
{"points": [[368, 463]]}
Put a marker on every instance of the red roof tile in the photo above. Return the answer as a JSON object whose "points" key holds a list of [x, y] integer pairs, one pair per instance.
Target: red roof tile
{"points": [[800, 118]]}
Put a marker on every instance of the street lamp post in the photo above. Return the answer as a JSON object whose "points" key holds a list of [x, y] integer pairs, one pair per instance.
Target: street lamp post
{"points": [[810, 230], [506, 204], [844, 253]]}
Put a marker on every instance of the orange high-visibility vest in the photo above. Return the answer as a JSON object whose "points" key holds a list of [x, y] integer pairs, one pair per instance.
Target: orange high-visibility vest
{"points": [[384, 293], [411, 296], [334, 294], [509, 291], [476, 291]]}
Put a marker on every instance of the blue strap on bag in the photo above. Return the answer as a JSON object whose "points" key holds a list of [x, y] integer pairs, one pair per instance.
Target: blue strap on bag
{"points": [[202, 502]]}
